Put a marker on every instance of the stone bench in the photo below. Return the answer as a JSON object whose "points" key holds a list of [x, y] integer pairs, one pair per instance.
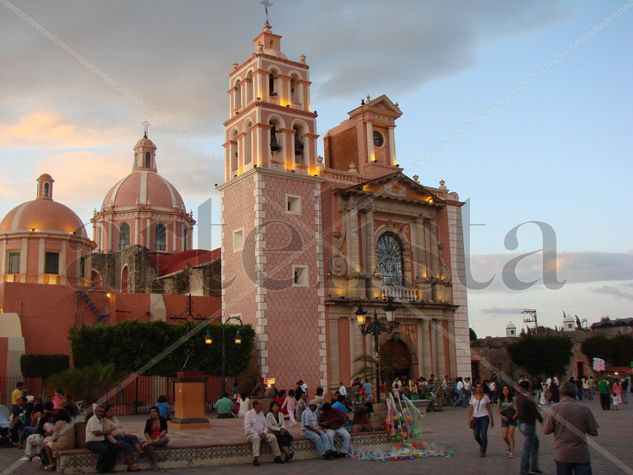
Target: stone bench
{"points": [[83, 461]]}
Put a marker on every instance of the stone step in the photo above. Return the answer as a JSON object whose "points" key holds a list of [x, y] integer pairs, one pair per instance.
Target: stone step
{"points": [[83, 461]]}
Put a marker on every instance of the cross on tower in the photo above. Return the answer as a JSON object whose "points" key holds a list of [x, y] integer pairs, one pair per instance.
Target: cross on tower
{"points": [[267, 4], [145, 125]]}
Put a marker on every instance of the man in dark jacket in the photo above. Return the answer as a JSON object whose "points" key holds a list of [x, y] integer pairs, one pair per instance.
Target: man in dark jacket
{"points": [[332, 421], [527, 415]]}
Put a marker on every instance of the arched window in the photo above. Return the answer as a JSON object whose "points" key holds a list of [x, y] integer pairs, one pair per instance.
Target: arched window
{"points": [[47, 189], [299, 143], [389, 257], [294, 89], [124, 280], [238, 95], [248, 152], [275, 145], [185, 238], [161, 237], [124, 236], [233, 154], [250, 87], [148, 160], [272, 84]]}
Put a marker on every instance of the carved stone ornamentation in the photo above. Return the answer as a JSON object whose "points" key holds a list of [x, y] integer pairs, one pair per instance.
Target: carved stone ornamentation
{"points": [[338, 268]]}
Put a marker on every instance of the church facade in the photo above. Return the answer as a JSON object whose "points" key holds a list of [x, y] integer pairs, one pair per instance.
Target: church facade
{"points": [[307, 240]]}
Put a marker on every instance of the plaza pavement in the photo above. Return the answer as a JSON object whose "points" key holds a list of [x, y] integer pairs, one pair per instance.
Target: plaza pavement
{"points": [[447, 428]]}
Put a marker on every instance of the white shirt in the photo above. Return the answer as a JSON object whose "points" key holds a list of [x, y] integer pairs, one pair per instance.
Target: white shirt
{"points": [[94, 424], [342, 390], [459, 386], [480, 408], [255, 424]]}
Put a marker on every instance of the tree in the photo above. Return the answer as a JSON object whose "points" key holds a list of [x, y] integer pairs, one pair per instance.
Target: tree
{"points": [[617, 350], [473, 335], [542, 354]]}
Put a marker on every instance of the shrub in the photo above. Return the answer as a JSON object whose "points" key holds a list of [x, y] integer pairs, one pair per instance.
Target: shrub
{"points": [[43, 365], [140, 347]]}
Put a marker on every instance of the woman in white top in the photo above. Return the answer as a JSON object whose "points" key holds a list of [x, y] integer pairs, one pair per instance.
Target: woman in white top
{"points": [[275, 422], [244, 403], [479, 417]]}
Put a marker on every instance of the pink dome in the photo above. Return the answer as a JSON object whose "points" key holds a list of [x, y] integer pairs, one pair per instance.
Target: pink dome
{"points": [[43, 215], [145, 188]]}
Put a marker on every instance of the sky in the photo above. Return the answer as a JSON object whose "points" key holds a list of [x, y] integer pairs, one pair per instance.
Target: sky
{"points": [[524, 108]]}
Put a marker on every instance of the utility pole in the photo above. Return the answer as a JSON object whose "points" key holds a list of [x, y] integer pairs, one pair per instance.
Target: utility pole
{"points": [[530, 317]]}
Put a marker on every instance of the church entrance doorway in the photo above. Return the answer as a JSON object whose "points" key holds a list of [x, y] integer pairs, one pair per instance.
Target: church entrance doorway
{"points": [[396, 359]]}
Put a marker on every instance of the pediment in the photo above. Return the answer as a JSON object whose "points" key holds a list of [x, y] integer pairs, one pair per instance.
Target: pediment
{"points": [[397, 186]]}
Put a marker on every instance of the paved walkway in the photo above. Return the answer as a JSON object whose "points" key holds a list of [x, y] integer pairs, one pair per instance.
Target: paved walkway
{"points": [[612, 453]]}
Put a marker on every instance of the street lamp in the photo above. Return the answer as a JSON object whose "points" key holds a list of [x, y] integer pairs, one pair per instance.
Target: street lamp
{"points": [[208, 340], [375, 328]]}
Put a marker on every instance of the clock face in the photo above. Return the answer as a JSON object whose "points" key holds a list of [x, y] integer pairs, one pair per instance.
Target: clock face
{"points": [[379, 140], [389, 259]]}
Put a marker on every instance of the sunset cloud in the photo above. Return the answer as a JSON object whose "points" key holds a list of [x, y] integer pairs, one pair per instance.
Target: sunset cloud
{"points": [[48, 130]]}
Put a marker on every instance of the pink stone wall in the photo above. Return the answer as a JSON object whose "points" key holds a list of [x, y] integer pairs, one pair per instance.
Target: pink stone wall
{"points": [[238, 268], [292, 312]]}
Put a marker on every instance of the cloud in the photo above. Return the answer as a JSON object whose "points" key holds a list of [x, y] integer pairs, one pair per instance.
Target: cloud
{"points": [[502, 310], [619, 292], [177, 60], [48, 130], [569, 267]]}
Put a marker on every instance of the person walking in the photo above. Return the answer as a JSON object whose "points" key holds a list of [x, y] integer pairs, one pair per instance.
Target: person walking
{"points": [[569, 421], [480, 417], [605, 394], [459, 393], [507, 414], [527, 415]]}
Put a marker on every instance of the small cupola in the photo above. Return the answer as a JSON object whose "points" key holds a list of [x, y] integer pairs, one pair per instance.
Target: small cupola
{"points": [[45, 187], [511, 330], [144, 154]]}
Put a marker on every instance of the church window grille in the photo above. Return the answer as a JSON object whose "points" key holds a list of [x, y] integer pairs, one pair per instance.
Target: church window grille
{"points": [[124, 236], [161, 237], [51, 263], [389, 257], [13, 266]]}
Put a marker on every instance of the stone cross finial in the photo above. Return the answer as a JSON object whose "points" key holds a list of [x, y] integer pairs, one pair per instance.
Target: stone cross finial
{"points": [[145, 125]]}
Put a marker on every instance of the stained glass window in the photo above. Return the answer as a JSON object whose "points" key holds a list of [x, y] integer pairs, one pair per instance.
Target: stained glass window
{"points": [[389, 257]]}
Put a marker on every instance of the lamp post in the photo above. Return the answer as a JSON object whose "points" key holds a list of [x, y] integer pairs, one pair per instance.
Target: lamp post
{"points": [[375, 328], [208, 340]]}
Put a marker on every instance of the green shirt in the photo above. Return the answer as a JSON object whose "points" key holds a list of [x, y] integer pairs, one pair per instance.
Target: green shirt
{"points": [[224, 406], [603, 386]]}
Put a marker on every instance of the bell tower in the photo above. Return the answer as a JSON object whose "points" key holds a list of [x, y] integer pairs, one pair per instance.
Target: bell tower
{"points": [[272, 259], [270, 123]]}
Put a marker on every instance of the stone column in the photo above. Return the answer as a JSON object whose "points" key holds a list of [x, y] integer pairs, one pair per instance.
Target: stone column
{"points": [[451, 349], [393, 160], [353, 247], [439, 348], [370, 251], [427, 358], [370, 142]]}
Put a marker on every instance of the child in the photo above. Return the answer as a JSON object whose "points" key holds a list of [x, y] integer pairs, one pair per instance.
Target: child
{"points": [[615, 401], [290, 404]]}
